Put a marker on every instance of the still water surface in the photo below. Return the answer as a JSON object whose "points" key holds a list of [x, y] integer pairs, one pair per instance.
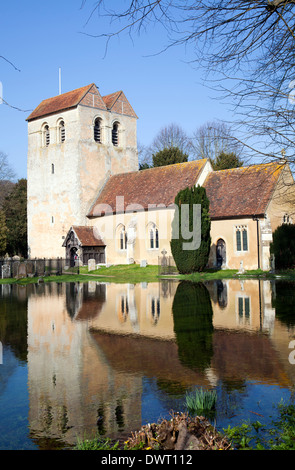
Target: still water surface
{"points": [[78, 358]]}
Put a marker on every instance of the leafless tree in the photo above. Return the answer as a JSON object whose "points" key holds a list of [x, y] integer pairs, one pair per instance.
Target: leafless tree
{"points": [[247, 48], [169, 136], [145, 158], [7, 177], [213, 138]]}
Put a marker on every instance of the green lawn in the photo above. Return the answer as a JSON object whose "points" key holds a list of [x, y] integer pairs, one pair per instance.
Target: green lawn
{"points": [[134, 273]]}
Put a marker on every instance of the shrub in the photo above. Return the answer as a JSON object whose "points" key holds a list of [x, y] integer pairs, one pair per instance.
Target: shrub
{"points": [[283, 246]]}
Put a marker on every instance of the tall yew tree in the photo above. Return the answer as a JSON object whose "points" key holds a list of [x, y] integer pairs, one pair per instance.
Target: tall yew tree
{"points": [[190, 260]]}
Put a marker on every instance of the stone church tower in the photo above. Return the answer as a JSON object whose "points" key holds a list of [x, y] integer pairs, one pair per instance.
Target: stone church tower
{"points": [[76, 140]]}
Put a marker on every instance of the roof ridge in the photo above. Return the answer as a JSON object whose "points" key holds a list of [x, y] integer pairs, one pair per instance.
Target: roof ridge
{"points": [[70, 91], [158, 167], [118, 93], [250, 166], [172, 165]]}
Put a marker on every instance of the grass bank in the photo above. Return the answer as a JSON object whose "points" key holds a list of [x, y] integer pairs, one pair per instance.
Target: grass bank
{"points": [[134, 274]]}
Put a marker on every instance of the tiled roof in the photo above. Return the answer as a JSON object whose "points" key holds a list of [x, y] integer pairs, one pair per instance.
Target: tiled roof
{"points": [[116, 102], [244, 191], [111, 99], [87, 236], [60, 102], [153, 186]]}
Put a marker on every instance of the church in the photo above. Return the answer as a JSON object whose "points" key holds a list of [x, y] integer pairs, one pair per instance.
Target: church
{"points": [[87, 198]]}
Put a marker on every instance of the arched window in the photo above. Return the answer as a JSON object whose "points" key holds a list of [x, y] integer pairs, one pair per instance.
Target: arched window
{"points": [[287, 219], [61, 132], [45, 135], [122, 238], [153, 235], [97, 130], [115, 134]]}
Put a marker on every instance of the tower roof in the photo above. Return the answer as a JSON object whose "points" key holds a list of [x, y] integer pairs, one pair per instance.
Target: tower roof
{"points": [[68, 100], [114, 102]]}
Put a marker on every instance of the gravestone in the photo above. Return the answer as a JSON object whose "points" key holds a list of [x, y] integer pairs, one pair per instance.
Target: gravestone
{"points": [[143, 263], [5, 271], [40, 267], [22, 271], [30, 268], [164, 259], [91, 264], [15, 266]]}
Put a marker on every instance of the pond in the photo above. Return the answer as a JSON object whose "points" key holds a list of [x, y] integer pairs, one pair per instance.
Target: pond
{"points": [[77, 358]]}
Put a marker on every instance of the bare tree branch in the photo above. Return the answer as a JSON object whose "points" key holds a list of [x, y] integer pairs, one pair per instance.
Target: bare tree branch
{"points": [[8, 61], [247, 46]]}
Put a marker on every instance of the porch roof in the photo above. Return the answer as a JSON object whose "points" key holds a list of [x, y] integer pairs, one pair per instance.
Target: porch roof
{"points": [[87, 236]]}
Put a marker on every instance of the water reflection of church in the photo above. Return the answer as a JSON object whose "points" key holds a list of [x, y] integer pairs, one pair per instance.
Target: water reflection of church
{"points": [[91, 345]]}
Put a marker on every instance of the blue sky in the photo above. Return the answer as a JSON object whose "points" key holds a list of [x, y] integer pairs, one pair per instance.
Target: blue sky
{"points": [[39, 38]]}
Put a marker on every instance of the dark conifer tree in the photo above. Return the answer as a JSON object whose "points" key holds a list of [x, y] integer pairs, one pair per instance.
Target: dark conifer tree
{"points": [[191, 260]]}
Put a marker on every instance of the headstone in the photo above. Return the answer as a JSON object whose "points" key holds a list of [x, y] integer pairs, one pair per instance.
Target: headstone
{"points": [[22, 271], [15, 266], [143, 263], [30, 268], [91, 265], [164, 259], [5, 271], [40, 267]]}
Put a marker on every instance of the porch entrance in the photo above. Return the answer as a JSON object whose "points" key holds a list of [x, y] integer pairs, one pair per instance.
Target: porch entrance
{"points": [[220, 253]]}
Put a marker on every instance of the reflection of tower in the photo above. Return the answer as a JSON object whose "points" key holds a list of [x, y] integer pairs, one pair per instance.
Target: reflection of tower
{"points": [[54, 367], [70, 381]]}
